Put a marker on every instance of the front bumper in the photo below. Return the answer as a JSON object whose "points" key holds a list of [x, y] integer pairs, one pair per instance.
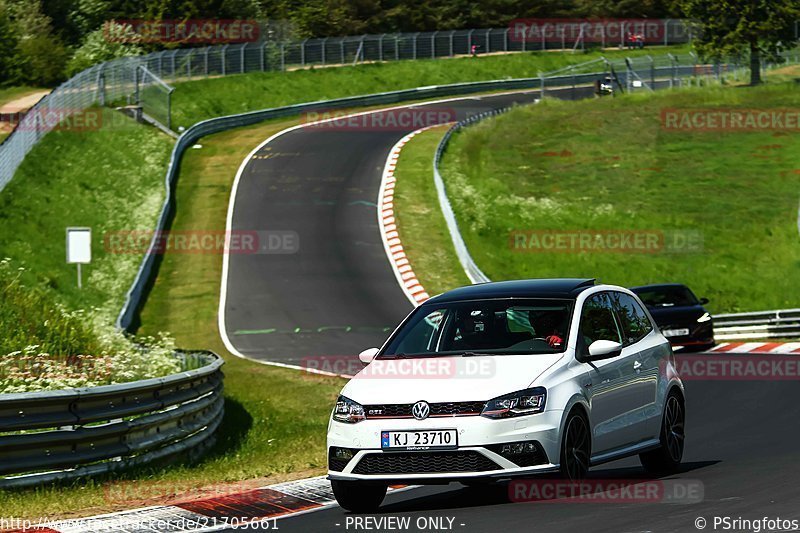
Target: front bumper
{"points": [[479, 453]]}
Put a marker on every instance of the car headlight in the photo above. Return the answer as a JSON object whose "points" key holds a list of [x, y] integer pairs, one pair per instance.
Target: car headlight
{"points": [[348, 411], [524, 402]]}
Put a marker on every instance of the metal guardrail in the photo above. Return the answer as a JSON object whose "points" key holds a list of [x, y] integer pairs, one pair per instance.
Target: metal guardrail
{"points": [[781, 323], [66, 434]]}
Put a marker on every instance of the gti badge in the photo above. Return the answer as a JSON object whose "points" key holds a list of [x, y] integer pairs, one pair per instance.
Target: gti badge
{"points": [[421, 410]]}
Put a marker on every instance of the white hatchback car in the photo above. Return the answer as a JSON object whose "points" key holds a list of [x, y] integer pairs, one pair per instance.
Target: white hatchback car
{"points": [[508, 379]]}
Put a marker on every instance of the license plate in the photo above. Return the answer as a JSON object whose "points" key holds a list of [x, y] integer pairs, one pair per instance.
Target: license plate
{"points": [[675, 332], [434, 439]]}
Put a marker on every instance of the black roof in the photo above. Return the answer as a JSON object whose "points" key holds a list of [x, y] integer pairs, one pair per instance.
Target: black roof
{"points": [[524, 288]]}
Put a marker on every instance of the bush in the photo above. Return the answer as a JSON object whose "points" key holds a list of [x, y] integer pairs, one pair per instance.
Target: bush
{"points": [[48, 347]]}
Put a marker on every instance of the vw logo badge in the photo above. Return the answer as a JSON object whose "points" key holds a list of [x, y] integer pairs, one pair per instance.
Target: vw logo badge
{"points": [[421, 410]]}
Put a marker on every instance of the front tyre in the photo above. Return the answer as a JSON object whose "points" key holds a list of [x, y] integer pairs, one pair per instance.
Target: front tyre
{"points": [[575, 448], [358, 496], [666, 459]]}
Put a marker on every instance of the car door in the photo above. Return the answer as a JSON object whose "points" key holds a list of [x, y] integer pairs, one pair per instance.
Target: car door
{"points": [[613, 395], [650, 353]]}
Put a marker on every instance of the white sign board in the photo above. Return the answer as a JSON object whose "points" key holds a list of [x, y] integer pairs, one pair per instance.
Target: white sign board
{"points": [[79, 245]]}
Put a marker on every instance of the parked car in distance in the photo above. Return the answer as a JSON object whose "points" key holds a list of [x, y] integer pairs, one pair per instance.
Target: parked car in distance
{"points": [[679, 314]]}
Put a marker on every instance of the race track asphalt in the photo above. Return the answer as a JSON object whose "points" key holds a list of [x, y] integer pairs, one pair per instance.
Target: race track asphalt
{"points": [[741, 447], [337, 295]]}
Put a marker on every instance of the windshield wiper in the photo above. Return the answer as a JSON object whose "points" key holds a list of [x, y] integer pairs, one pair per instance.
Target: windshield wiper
{"points": [[477, 354]]}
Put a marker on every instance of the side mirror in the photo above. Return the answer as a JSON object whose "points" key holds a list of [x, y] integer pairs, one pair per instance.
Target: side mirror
{"points": [[703, 301], [368, 355], [603, 349]]}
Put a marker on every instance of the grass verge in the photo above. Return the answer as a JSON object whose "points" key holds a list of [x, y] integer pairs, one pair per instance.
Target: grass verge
{"points": [[608, 165], [420, 222], [197, 100]]}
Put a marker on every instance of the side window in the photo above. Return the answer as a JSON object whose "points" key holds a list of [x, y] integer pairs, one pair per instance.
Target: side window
{"points": [[598, 321], [635, 324]]}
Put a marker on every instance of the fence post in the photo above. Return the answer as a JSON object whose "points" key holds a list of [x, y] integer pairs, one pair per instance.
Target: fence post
{"points": [[172, 63], [414, 48], [433, 45], [169, 108], [469, 41], [486, 39], [666, 32], [205, 59], [189, 64], [505, 39], [241, 58], [652, 72], [324, 45], [380, 47], [396, 48], [136, 84], [303, 53], [263, 53], [224, 59], [452, 34], [283, 57]]}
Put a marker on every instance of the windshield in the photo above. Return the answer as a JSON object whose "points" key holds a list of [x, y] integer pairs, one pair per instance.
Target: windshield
{"points": [[667, 297], [493, 327]]}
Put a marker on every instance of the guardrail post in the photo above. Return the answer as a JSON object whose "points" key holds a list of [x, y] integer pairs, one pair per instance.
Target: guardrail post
{"points": [[541, 86]]}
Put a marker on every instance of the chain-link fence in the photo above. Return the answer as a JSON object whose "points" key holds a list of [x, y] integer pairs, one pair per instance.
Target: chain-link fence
{"points": [[144, 80]]}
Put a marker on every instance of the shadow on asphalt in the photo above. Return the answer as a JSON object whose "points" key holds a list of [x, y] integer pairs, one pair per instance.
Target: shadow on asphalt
{"points": [[498, 493]]}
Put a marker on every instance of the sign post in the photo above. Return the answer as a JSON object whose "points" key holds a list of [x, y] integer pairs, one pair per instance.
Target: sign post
{"points": [[79, 248]]}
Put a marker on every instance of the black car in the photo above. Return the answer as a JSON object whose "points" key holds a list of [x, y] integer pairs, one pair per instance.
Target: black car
{"points": [[679, 314]]}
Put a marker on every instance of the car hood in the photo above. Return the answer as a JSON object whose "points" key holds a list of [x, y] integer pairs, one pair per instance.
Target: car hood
{"points": [[446, 379], [665, 316]]}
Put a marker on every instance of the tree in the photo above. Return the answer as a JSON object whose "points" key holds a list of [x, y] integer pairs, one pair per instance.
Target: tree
{"points": [[733, 27], [8, 48]]}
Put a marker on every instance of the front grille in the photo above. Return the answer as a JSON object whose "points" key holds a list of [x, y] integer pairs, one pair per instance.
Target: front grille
{"points": [[537, 457], [424, 463], [403, 410]]}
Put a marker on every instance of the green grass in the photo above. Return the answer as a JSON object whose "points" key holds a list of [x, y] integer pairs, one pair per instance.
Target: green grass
{"points": [[109, 179], [275, 419], [420, 222], [197, 100], [609, 165]]}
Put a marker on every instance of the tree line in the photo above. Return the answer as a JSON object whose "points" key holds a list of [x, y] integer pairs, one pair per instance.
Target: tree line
{"points": [[43, 42]]}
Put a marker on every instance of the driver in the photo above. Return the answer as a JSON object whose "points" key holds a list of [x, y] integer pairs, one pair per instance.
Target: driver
{"points": [[548, 325]]}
